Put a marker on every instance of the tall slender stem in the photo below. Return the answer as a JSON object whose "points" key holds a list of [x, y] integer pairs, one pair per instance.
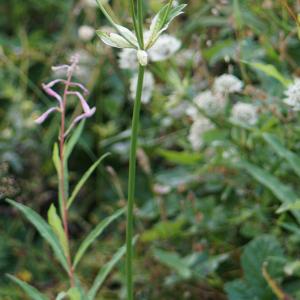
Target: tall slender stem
{"points": [[131, 183], [62, 183]]}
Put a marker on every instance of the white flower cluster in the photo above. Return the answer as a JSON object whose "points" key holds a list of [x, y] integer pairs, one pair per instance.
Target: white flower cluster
{"points": [[148, 87], [293, 95], [198, 128], [164, 48], [244, 113], [227, 83], [212, 104]]}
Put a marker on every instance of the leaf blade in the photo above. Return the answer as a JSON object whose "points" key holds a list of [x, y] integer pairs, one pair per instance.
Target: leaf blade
{"points": [[31, 291], [44, 229], [84, 178], [95, 233]]}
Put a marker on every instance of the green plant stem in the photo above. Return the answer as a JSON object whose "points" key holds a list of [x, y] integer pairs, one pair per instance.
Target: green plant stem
{"points": [[131, 182], [62, 181]]}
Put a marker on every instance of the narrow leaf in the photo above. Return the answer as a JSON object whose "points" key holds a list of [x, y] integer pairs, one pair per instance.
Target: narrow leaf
{"points": [[269, 70], [84, 178], [281, 191], [105, 271], [95, 234], [32, 292], [174, 261], [55, 222], [44, 229], [292, 159]]}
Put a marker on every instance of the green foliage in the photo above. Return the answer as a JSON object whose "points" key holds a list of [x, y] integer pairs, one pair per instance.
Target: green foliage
{"points": [[44, 229], [94, 234], [262, 250]]}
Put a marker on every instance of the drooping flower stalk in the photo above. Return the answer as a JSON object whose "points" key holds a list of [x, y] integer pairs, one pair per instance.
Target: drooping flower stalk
{"points": [[63, 133]]}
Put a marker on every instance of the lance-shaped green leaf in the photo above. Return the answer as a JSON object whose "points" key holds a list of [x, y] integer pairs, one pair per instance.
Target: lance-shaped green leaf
{"points": [[113, 40], [56, 225], [44, 229], [282, 192], [94, 234], [125, 33], [292, 159], [105, 271], [32, 292], [84, 178], [269, 70], [161, 22]]}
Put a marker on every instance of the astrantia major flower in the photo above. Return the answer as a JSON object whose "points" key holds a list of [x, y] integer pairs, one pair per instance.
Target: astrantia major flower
{"points": [[244, 113], [124, 38], [198, 128], [293, 95], [212, 104], [148, 87], [165, 46], [128, 59], [227, 83]]}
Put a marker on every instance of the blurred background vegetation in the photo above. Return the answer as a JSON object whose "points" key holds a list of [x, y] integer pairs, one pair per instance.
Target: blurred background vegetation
{"points": [[206, 223]]}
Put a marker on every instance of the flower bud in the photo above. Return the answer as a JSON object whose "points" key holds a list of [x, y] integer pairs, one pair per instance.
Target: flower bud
{"points": [[142, 57]]}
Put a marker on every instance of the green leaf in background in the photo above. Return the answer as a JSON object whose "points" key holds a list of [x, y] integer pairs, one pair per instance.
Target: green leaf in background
{"points": [[256, 253], [269, 70], [95, 234], [84, 178], [173, 261], [292, 159], [263, 249], [239, 290], [105, 271], [44, 229], [183, 157], [282, 192], [73, 140], [164, 230], [32, 292], [56, 225]]}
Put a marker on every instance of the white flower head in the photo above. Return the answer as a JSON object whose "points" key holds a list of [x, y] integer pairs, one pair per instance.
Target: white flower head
{"points": [[198, 128], [293, 95], [86, 33], [244, 113], [128, 59], [148, 87], [165, 46], [227, 83], [210, 103]]}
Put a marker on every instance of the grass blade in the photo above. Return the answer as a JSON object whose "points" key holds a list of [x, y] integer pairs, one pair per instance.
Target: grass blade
{"points": [[84, 178], [32, 292], [44, 229]]}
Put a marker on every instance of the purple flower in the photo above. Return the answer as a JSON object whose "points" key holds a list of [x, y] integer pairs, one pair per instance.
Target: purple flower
{"points": [[48, 88]]}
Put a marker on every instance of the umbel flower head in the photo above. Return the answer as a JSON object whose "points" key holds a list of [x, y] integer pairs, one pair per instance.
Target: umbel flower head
{"points": [[244, 113], [227, 83], [123, 38], [293, 95], [68, 83], [199, 127]]}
